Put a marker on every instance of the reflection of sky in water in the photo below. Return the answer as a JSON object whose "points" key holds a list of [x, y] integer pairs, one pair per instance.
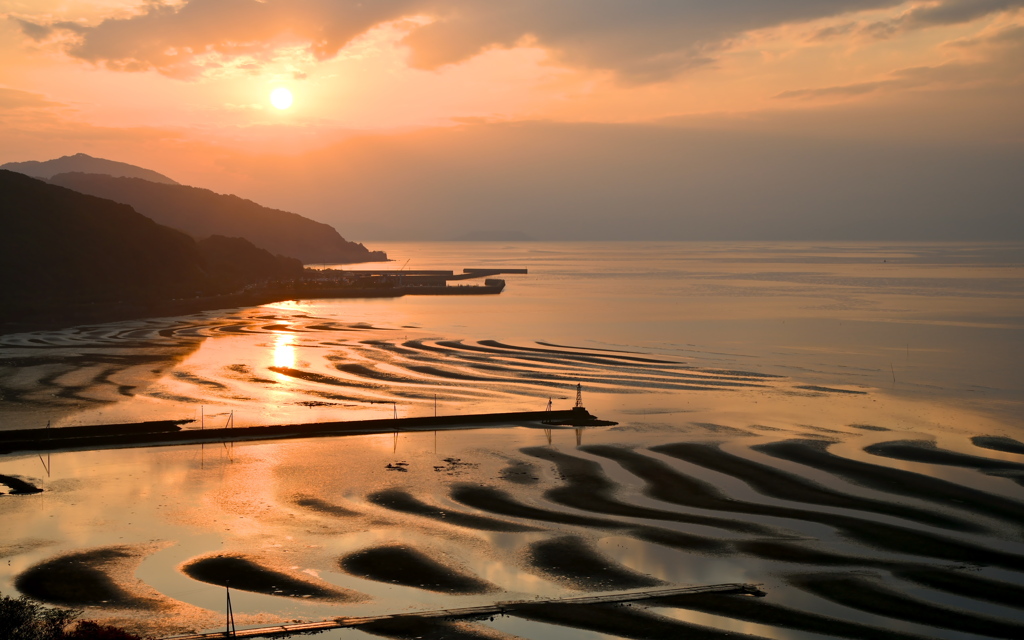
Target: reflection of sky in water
{"points": [[838, 318], [943, 320], [284, 351]]}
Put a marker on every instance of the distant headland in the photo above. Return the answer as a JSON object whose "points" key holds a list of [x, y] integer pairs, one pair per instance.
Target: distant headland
{"points": [[92, 240], [82, 248]]}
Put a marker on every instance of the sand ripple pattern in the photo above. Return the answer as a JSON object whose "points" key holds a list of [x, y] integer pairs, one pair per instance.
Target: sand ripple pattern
{"points": [[300, 359], [847, 558]]}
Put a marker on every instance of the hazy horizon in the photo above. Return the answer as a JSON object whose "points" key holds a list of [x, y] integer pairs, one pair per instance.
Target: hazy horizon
{"points": [[859, 120]]}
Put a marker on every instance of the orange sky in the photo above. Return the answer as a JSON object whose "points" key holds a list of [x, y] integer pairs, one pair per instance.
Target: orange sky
{"points": [[183, 87]]}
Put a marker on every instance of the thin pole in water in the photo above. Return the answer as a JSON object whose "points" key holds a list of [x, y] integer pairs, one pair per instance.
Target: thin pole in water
{"points": [[229, 621], [46, 463]]}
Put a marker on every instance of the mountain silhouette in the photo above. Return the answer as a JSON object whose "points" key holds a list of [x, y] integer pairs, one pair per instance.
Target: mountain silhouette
{"points": [[83, 163], [202, 213], [65, 255]]}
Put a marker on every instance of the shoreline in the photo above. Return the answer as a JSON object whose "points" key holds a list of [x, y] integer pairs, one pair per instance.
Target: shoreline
{"points": [[109, 313], [42, 319]]}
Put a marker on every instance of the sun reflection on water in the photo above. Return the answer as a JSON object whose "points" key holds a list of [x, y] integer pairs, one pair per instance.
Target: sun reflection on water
{"points": [[284, 351]]}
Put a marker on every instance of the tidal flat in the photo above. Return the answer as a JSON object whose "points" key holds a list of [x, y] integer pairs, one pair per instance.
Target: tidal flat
{"points": [[839, 425]]}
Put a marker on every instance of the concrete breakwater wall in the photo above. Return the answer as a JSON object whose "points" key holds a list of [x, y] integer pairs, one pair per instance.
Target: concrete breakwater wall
{"points": [[167, 432]]}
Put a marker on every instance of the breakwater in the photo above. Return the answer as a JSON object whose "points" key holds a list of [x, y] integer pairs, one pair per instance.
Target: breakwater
{"points": [[409, 620], [168, 432]]}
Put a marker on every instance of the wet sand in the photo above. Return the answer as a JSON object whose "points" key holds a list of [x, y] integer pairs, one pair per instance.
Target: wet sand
{"points": [[676, 487], [248, 575], [409, 567], [761, 612], [813, 453], [581, 505], [587, 488], [406, 503], [19, 486], [427, 629], [867, 595], [84, 579], [927, 453], [624, 622], [775, 483], [571, 561], [999, 443], [549, 512]]}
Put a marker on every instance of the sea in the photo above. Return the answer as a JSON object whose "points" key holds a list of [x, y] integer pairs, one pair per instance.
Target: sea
{"points": [[806, 388]]}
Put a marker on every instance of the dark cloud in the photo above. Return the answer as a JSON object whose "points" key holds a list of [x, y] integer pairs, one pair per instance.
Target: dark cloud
{"points": [[1009, 36], [959, 11], [943, 13], [641, 40], [35, 31]]}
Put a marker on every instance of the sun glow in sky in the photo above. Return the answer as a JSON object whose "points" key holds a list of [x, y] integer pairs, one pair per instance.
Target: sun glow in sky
{"points": [[281, 98], [180, 87]]}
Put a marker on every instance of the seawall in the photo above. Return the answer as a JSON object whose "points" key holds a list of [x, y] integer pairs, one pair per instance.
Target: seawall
{"points": [[168, 432]]}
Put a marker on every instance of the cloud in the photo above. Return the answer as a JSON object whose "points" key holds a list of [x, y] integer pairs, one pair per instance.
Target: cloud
{"points": [[639, 40], [17, 99], [1001, 63], [840, 91], [33, 30], [1012, 36], [947, 12]]}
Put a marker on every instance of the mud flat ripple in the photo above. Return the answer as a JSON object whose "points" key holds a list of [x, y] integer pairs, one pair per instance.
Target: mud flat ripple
{"points": [[997, 443], [623, 622], [498, 502], [401, 501], [814, 454], [428, 629], [927, 453], [245, 574], [406, 566], [83, 580], [758, 611], [571, 561], [775, 483], [18, 486], [590, 490], [673, 486], [322, 506], [868, 595]]}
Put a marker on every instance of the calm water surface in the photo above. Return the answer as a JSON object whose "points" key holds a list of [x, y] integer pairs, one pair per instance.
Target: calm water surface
{"points": [[734, 344]]}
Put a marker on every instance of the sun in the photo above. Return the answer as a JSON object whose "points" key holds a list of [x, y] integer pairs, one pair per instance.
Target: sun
{"points": [[281, 98]]}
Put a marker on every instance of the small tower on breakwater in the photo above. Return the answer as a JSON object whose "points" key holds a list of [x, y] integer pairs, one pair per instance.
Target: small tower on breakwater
{"points": [[579, 396]]}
